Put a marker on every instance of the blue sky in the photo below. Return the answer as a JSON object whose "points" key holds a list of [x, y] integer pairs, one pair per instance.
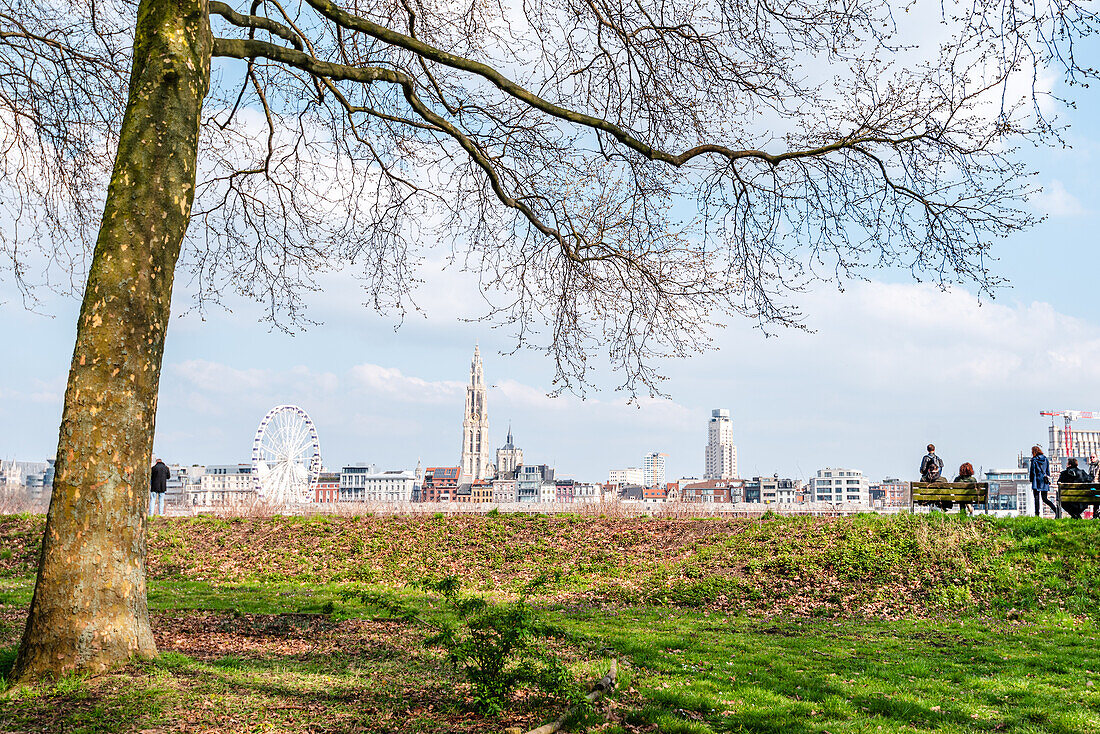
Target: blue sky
{"points": [[891, 366]]}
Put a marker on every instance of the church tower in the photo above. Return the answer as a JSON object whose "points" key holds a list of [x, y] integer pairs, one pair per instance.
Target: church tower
{"points": [[508, 457], [476, 462]]}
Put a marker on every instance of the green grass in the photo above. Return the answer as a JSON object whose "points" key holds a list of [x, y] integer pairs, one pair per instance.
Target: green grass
{"points": [[868, 624], [710, 673]]}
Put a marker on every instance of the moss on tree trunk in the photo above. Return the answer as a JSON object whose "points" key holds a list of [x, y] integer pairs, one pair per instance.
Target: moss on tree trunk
{"points": [[89, 609]]}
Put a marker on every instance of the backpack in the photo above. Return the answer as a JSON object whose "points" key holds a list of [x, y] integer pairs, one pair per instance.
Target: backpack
{"points": [[930, 468]]}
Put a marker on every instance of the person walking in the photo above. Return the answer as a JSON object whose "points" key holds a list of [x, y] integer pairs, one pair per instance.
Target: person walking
{"points": [[158, 485], [931, 466], [1072, 474], [1039, 472], [1094, 472]]}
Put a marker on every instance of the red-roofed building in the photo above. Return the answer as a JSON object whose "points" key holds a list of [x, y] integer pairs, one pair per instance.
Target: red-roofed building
{"points": [[440, 483], [714, 490]]}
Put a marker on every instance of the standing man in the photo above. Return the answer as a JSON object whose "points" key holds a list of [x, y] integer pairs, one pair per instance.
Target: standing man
{"points": [[158, 485], [931, 466], [1094, 472], [1039, 472]]}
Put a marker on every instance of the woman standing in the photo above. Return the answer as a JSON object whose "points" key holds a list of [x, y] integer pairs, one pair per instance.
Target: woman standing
{"points": [[1040, 479]]}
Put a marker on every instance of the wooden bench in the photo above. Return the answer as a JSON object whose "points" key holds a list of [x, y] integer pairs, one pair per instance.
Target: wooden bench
{"points": [[965, 493], [1088, 494]]}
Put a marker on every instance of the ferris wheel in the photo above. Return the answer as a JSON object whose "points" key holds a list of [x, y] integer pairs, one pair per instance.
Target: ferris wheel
{"points": [[286, 456]]}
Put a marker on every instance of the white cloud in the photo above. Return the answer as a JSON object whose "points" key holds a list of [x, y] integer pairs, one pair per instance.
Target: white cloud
{"points": [[518, 395], [1057, 202], [220, 378], [391, 383], [889, 332]]}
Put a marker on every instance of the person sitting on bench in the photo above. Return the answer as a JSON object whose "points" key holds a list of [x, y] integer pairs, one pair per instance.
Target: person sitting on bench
{"points": [[930, 468], [1074, 475], [966, 474]]}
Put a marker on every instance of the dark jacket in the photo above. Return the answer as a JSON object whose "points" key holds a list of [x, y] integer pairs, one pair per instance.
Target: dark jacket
{"points": [[930, 468], [158, 479], [968, 480], [1074, 475], [1039, 473]]}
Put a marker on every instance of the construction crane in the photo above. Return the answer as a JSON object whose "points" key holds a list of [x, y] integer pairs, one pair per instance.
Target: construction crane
{"points": [[1070, 416]]}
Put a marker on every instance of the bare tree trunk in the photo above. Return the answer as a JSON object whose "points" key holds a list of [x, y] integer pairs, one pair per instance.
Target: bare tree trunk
{"points": [[89, 609]]}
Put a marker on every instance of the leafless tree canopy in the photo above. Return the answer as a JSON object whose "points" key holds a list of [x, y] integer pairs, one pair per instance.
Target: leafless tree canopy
{"points": [[623, 173]]}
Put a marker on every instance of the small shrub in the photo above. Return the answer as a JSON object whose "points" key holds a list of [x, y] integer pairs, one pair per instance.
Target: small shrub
{"points": [[498, 647]]}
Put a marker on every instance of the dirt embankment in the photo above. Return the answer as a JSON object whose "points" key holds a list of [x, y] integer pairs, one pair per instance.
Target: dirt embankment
{"points": [[866, 565]]}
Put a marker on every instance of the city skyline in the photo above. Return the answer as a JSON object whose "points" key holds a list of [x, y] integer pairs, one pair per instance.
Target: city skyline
{"points": [[888, 367], [684, 431], [475, 401]]}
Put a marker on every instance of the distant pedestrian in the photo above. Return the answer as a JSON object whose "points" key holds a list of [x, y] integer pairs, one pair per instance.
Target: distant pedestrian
{"points": [[1094, 472], [1039, 472], [931, 466], [1072, 474], [158, 485]]}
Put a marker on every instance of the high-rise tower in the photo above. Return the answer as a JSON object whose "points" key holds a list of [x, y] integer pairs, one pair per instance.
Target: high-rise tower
{"points": [[721, 453], [476, 462], [653, 469]]}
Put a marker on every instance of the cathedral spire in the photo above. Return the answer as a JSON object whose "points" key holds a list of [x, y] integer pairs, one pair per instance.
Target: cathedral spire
{"points": [[476, 464]]}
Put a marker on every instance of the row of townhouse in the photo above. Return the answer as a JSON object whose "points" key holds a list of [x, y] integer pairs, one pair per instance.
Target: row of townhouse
{"points": [[536, 483], [836, 486]]}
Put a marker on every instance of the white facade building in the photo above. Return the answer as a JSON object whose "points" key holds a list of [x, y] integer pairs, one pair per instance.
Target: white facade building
{"points": [[504, 491], [226, 484], [1083, 443], [632, 475], [721, 454], [477, 462], [184, 484], [779, 491], [387, 486], [839, 487], [653, 469], [587, 492], [548, 492]]}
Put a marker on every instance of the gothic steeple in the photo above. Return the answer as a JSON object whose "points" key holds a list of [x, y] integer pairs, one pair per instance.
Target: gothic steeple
{"points": [[476, 462]]}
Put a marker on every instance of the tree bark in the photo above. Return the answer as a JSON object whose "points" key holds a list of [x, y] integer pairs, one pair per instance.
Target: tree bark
{"points": [[89, 609]]}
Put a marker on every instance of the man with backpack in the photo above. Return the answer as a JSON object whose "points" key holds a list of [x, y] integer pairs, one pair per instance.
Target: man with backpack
{"points": [[931, 466]]}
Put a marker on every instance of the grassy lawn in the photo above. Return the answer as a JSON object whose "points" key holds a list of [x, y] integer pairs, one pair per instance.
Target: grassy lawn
{"points": [[696, 673], [791, 626]]}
